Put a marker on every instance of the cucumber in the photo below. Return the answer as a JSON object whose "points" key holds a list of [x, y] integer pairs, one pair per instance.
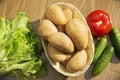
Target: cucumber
{"points": [[115, 39], [99, 47], [103, 61]]}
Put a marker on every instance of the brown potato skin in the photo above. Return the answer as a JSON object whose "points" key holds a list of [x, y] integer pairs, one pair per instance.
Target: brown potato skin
{"points": [[55, 54], [78, 32], [56, 15], [77, 62], [61, 41], [46, 28]]}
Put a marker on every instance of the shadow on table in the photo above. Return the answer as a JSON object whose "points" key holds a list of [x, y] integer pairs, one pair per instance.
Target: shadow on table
{"points": [[35, 25], [88, 74], [115, 59]]}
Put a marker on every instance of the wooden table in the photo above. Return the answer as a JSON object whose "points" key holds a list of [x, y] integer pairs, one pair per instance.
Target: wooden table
{"points": [[35, 9]]}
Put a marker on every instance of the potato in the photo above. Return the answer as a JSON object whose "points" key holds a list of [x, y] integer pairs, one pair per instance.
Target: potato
{"points": [[61, 41], [68, 14], [78, 32], [55, 54], [56, 15], [46, 28], [77, 62]]}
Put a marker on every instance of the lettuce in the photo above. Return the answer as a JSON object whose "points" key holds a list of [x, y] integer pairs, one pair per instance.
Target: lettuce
{"points": [[20, 48]]}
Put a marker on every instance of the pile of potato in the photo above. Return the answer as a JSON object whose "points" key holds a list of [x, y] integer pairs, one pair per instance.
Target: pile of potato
{"points": [[67, 37]]}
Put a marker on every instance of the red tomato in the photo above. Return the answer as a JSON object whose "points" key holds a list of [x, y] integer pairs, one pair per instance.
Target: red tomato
{"points": [[99, 22]]}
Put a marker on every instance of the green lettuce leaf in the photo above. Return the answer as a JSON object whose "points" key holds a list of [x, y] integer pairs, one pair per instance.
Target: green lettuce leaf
{"points": [[20, 48]]}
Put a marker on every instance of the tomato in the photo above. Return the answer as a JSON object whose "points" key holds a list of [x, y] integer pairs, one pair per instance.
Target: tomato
{"points": [[99, 22]]}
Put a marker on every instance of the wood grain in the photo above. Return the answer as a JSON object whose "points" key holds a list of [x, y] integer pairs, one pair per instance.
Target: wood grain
{"points": [[35, 10]]}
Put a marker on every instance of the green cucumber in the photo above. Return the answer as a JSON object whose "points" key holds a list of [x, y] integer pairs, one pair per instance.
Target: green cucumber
{"points": [[103, 61], [115, 39], [99, 47]]}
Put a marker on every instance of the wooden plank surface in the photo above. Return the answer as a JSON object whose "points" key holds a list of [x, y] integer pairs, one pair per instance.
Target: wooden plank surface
{"points": [[35, 9]]}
